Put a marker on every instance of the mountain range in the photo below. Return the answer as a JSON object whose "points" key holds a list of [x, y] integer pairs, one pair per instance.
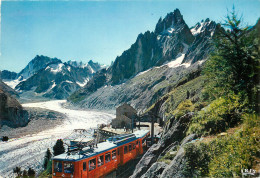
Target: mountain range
{"points": [[50, 77], [155, 64], [152, 66]]}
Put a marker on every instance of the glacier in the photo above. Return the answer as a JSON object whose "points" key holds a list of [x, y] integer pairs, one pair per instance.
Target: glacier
{"points": [[28, 151]]}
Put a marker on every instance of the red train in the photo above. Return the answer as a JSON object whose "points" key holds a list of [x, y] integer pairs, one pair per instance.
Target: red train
{"points": [[101, 160]]}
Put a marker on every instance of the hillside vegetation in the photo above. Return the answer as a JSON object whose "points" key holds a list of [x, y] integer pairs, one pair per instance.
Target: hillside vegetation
{"points": [[217, 111]]}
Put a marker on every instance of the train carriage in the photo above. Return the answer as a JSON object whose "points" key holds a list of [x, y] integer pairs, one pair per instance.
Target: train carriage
{"points": [[100, 160]]}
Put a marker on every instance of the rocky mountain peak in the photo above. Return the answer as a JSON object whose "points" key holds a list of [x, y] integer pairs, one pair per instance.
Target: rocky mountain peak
{"points": [[8, 75], [204, 26], [94, 66], [201, 47], [172, 20], [75, 63], [36, 64]]}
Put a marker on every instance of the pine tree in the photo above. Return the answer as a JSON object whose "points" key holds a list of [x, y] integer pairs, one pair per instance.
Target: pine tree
{"points": [[47, 158], [58, 148], [25, 174], [234, 65], [31, 172], [17, 170]]}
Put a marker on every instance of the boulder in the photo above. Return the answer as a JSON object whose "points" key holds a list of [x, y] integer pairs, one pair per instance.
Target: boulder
{"points": [[176, 166], [147, 160], [11, 112], [155, 170]]}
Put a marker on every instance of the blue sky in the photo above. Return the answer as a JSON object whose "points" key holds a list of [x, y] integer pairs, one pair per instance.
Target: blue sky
{"points": [[97, 30]]}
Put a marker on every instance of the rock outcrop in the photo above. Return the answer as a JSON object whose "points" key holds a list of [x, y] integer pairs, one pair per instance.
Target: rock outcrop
{"points": [[11, 112], [155, 170], [202, 46], [172, 135]]}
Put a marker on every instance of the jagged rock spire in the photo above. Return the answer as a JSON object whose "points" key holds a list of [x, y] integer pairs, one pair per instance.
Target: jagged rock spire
{"points": [[173, 19]]}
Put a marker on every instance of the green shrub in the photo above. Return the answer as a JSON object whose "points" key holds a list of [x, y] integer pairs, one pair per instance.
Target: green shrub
{"points": [[197, 160], [225, 156], [216, 117], [183, 108], [232, 153], [168, 157]]}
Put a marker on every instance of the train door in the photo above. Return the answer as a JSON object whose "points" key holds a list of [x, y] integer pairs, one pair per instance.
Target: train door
{"points": [[107, 166], [84, 171], [100, 163], [134, 149], [114, 159], [126, 155], [92, 165], [138, 147], [130, 151], [121, 155]]}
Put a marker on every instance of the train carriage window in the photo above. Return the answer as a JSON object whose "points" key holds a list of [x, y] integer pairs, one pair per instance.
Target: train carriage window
{"points": [[130, 147], [84, 166], [133, 146], [92, 164], [113, 154], [108, 157], [68, 167], [118, 153], [100, 160], [57, 166], [125, 149]]}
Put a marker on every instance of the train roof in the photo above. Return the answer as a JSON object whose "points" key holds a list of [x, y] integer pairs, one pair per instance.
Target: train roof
{"points": [[112, 142]]}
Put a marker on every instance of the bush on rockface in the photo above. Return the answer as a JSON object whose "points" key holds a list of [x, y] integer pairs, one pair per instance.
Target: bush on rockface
{"points": [[231, 154], [197, 160], [217, 117], [225, 156], [183, 108]]}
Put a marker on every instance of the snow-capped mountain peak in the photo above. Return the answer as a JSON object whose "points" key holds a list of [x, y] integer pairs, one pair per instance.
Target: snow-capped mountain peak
{"points": [[36, 64], [55, 68], [202, 26], [58, 80]]}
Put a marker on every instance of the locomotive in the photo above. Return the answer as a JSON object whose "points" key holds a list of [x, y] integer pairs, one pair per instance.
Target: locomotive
{"points": [[101, 159]]}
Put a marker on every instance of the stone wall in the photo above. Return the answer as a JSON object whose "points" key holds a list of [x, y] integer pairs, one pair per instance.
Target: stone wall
{"points": [[125, 110], [121, 122]]}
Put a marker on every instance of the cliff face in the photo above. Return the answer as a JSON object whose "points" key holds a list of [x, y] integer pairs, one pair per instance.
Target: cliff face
{"points": [[173, 136], [11, 112], [170, 37]]}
